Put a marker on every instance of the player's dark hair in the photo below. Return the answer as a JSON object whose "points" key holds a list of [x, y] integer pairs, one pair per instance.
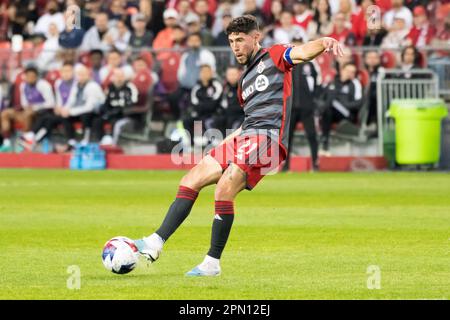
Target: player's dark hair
{"points": [[245, 24]]}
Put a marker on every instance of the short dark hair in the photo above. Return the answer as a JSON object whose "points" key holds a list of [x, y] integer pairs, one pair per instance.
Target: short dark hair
{"points": [[350, 63], [195, 34], [32, 69], [96, 51], [245, 24]]}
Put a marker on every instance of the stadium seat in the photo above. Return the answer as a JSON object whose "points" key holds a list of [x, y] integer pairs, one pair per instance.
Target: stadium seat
{"points": [[143, 82], [364, 77], [52, 76], [148, 58], [423, 62], [15, 99], [388, 59]]}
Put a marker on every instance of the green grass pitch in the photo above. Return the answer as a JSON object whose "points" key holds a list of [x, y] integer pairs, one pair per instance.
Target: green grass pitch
{"points": [[296, 236]]}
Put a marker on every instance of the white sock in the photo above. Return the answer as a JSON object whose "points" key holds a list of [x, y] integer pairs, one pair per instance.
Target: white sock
{"points": [[210, 263], [6, 142], [154, 241]]}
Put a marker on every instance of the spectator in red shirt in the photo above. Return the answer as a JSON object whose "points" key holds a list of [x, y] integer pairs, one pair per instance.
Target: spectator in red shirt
{"points": [[164, 38], [302, 14], [422, 32], [359, 20], [340, 32]]}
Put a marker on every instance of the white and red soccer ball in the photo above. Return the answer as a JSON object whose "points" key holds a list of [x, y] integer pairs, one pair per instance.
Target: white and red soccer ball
{"points": [[120, 255]]}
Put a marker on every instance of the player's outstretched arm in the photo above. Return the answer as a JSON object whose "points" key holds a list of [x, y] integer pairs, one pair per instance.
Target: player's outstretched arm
{"points": [[312, 49]]}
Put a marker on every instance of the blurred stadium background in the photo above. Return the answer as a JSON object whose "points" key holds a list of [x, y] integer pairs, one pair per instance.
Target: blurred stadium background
{"points": [[116, 91], [152, 67]]}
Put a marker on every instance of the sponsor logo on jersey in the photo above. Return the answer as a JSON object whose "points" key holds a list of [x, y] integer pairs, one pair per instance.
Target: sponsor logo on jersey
{"points": [[261, 67], [261, 84]]}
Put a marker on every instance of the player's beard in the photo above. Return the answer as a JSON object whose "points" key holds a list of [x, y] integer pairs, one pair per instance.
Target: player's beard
{"points": [[246, 61]]}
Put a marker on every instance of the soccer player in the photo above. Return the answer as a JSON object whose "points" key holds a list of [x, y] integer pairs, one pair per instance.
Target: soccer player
{"points": [[250, 152]]}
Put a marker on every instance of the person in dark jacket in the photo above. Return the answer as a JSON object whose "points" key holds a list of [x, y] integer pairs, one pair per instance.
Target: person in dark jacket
{"points": [[305, 86], [372, 63], [343, 99], [73, 34], [205, 102], [231, 113], [121, 98]]}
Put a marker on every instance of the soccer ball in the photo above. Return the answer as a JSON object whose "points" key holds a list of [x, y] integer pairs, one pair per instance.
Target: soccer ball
{"points": [[120, 255]]}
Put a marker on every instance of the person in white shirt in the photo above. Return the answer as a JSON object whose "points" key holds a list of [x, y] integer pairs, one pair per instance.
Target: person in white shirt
{"points": [[398, 10], [47, 58], [83, 102], [396, 37], [100, 36], [51, 16], [288, 30]]}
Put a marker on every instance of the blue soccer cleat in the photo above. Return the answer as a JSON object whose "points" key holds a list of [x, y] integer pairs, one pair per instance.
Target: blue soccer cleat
{"points": [[198, 271]]}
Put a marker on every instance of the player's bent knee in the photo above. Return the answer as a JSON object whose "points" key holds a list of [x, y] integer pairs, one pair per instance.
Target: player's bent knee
{"points": [[206, 172]]}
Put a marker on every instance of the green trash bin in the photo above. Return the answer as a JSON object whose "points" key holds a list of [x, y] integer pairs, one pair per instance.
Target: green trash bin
{"points": [[417, 129]]}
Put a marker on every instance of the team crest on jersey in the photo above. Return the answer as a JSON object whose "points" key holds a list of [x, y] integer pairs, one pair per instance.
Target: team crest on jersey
{"points": [[261, 67], [261, 83]]}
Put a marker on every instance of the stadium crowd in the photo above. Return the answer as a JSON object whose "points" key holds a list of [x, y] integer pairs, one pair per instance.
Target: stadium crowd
{"points": [[128, 56]]}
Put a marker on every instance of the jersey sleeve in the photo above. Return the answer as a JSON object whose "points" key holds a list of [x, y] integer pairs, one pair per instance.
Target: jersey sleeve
{"points": [[280, 55]]}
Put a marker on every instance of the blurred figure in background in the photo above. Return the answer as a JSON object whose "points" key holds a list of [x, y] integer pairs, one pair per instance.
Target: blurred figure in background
{"points": [[51, 16], [321, 24], [83, 102], [189, 71], [397, 34], [343, 99], [164, 38], [43, 126], [422, 32], [232, 115], [121, 97], [193, 25], [397, 10], [221, 40], [36, 101], [204, 102], [341, 32], [100, 36], [140, 37], [96, 63], [287, 30], [372, 63], [201, 7], [47, 59], [302, 14], [114, 60], [306, 83]]}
